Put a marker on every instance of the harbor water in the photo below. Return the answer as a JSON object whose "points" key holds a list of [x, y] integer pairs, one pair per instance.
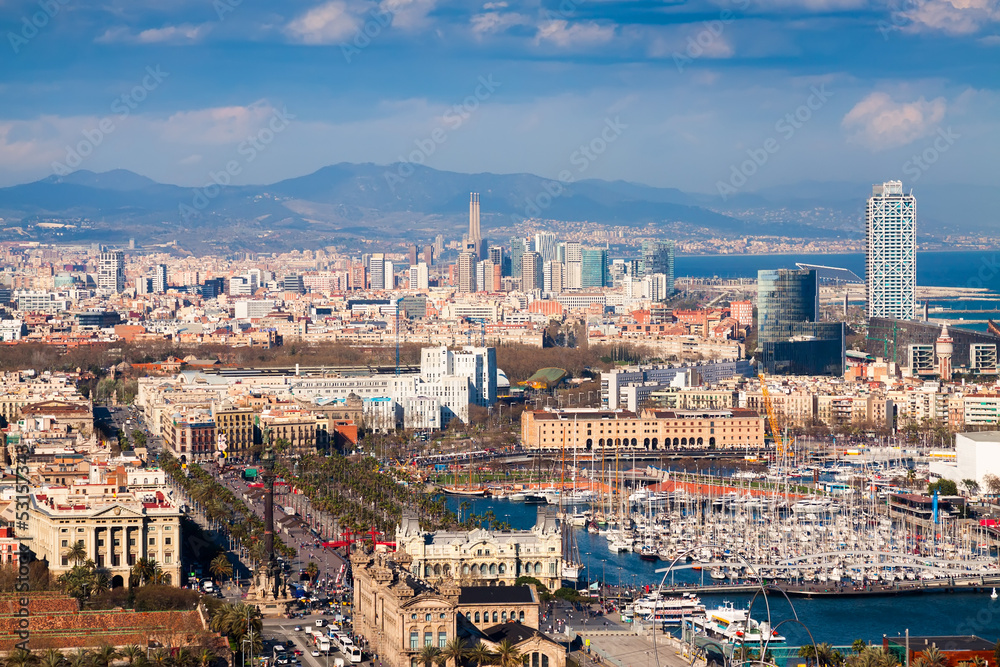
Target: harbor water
{"points": [[836, 620]]}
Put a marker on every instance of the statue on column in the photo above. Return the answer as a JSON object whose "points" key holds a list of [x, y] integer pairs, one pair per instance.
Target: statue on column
{"points": [[269, 581]]}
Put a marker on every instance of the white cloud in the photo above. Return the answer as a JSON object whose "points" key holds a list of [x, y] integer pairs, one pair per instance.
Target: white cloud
{"points": [[329, 23], [408, 14], [190, 159], [954, 17], [497, 22], [218, 125], [174, 34], [565, 34], [879, 122]]}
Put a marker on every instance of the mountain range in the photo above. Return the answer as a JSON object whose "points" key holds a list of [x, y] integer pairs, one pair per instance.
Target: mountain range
{"points": [[404, 201]]}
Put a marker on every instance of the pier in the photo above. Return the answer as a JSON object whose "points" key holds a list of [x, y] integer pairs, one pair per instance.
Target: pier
{"points": [[971, 584]]}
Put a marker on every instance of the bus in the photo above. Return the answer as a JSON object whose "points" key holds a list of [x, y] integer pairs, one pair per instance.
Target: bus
{"points": [[352, 652]]}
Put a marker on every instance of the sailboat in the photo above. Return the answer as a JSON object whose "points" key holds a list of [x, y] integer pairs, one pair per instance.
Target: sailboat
{"points": [[993, 595]]}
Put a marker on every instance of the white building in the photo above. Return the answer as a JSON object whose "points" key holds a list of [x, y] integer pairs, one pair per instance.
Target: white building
{"points": [[976, 454], [376, 271], [419, 277], [36, 301], [248, 309], [245, 285], [11, 330], [159, 278], [890, 252], [111, 271]]}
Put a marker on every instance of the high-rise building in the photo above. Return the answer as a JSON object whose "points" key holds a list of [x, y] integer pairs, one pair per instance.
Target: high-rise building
{"points": [[429, 255], [356, 275], [517, 250], [658, 257], [376, 270], [293, 283], [553, 277], [496, 255], [890, 253], [439, 244], [790, 338], [474, 241], [411, 253], [111, 271], [532, 276], [389, 274], [545, 245], [593, 268], [419, 276], [160, 278], [484, 276], [467, 271]]}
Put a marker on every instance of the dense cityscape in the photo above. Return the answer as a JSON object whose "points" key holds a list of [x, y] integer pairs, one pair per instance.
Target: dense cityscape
{"points": [[441, 455]]}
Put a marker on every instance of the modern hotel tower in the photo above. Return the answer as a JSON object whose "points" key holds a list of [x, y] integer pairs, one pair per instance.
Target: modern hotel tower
{"points": [[890, 253]]}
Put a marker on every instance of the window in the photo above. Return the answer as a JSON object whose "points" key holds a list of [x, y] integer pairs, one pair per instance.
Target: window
{"points": [[477, 613], [413, 640], [152, 541], [65, 543], [442, 616], [428, 638], [494, 617], [427, 617], [167, 540], [168, 558], [442, 639]]}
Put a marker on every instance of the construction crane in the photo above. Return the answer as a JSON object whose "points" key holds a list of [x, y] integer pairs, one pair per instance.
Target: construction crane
{"points": [[482, 330], [779, 444]]}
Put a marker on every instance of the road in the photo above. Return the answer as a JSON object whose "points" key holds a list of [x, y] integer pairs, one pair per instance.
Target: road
{"points": [[282, 630]]}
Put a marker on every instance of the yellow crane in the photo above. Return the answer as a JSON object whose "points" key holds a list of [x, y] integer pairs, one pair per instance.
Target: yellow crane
{"points": [[779, 444]]}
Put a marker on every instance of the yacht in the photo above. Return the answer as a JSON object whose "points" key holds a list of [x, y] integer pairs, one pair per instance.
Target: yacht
{"points": [[667, 610], [734, 626]]}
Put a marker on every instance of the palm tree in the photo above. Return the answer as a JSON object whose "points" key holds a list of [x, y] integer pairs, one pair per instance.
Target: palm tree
{"points": [[104, 656], [132, 653], [220, 567], [81, 658], [454, 651], [508, 655], [76, 553], [160, 658], [933, 657], [144, 569], [21, 658], [859, 645], [480, 654], [978, 661], [205, 658], [52, 658], [428, 654], [312, 571]]}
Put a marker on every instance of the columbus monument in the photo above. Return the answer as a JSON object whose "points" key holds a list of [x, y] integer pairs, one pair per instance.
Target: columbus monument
{"points": [[269, 590]]}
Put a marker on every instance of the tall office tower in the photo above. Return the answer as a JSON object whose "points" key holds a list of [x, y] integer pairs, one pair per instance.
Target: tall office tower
{"points": [[484, 276], [111, 271], [467, 271], [419, 276], [376, 270], [160, 278], [574, 251], [517, 250], [593, 268], [389, 274], [429, 255], [356, 275], [545, 245], [788, 334], [474, 241], [439, 244], [658, 257], [532, 276], [496, 255], [412, 254], [553, 277], [890, 253]]}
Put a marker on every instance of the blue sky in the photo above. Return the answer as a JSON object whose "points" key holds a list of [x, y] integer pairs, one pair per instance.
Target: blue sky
{"points": [[825, 90]]}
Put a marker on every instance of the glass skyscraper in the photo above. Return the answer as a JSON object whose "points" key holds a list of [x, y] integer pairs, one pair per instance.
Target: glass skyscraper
{"points": [[658, 257], [890, 253], [790, 338], [593, 268]]}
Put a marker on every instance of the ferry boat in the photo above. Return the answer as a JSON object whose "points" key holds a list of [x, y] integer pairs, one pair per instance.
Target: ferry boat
{"points": [[668, 610], [734, 626]]}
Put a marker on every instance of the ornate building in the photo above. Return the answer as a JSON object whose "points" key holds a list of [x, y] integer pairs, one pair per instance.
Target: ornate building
{"points": [[483, 557], [400, 613]]}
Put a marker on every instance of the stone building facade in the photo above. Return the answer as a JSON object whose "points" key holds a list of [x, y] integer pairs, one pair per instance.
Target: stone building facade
{"points": [[483, 557]]}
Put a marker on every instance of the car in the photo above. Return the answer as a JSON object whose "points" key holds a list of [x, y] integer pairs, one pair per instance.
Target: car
{"points": [[320, 622], [298, 628], [297, 652], [315, 654]]}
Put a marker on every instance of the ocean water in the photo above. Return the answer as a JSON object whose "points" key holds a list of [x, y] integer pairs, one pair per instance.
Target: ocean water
{"points": [[965, 268], [838, 621]]}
